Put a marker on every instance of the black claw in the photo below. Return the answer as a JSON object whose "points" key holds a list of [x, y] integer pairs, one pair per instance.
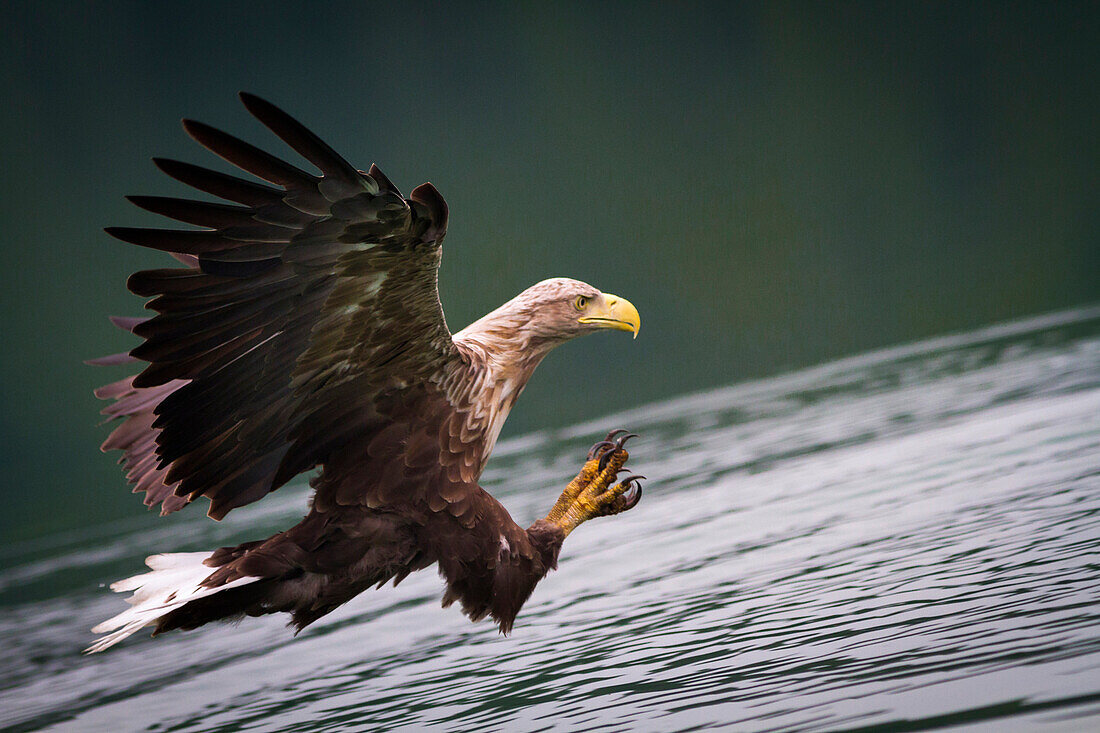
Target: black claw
{"points": [[604, 460], [635, 494], [594, 450], [634, 498], [613, 433], [622, 441]]}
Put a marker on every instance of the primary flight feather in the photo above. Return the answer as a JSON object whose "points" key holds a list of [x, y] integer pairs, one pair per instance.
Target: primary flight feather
{"points": [[305, 330]]}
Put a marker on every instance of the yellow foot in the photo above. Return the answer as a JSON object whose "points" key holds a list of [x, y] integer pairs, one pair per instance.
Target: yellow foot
{"points": [[594, 493]]}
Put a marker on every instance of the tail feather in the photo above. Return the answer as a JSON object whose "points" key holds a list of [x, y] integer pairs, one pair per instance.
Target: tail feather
{"points": [[176, 580]]}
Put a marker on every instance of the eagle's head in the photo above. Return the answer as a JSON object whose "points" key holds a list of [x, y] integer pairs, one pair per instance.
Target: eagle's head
{"points": [[550, 313], [563, 308]]}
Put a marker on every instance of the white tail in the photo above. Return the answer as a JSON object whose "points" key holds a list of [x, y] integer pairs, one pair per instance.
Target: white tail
{"points": [[175, 580]]}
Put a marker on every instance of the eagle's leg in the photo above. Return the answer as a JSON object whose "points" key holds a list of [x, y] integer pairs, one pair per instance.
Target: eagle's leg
{"points": [[499, 587], [594, 493]]}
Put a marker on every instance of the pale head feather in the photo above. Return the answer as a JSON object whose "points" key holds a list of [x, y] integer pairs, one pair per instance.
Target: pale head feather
{"points": [[531, 324]]}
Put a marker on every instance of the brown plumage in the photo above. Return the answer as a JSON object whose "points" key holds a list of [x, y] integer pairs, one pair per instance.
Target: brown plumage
{"points": [[305, 330]]}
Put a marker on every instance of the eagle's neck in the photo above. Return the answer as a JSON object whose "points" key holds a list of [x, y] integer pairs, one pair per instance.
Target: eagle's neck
{"points": [[501, 356]]}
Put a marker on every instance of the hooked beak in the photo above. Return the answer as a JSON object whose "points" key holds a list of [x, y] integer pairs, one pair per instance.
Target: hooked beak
{"points": [[611, 311]]}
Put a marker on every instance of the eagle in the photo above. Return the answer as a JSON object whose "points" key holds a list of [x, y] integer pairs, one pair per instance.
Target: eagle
{"points": [[303, 331]]}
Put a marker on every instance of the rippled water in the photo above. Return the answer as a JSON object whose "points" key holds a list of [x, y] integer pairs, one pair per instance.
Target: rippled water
{"points": [[903, 540]]}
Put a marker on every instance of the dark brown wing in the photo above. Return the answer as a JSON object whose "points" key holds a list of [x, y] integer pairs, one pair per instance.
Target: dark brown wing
{"points": [[311, 310]]}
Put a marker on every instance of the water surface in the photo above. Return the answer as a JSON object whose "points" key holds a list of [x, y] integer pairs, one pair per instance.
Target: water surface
{"points": [[904, 540]]}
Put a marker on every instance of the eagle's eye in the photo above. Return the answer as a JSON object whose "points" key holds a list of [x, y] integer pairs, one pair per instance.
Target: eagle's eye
{"points": [[580, 303]]}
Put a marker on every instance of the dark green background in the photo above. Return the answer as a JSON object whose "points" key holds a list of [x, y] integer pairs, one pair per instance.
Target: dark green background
{"points": [[772, 185]]}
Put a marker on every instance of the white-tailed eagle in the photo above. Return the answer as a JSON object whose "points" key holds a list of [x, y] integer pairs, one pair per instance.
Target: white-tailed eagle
{"points": [[305, 330]]}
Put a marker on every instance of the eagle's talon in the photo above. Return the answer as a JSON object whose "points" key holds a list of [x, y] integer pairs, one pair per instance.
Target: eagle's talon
{"points": [[615, 454], [633, 499], [622, 441], [611, 486], [599, 448], [619, 498], [594, 492], [635, 494], [607, 444]]}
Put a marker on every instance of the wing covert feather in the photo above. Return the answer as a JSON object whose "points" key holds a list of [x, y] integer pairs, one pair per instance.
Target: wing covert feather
{"points": [[309, 316]]}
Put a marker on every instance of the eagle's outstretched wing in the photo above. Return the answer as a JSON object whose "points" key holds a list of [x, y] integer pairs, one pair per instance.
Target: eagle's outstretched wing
{"points": [[309, 310]]}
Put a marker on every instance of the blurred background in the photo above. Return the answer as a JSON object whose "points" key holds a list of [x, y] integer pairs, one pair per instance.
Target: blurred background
{"points": [[773, 185]]}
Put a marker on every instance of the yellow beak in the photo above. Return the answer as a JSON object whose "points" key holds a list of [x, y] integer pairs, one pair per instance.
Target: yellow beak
{"points": [[611, 311]]}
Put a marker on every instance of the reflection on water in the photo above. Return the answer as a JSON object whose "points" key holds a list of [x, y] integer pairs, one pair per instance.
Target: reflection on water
{"points": [[907, 539]]}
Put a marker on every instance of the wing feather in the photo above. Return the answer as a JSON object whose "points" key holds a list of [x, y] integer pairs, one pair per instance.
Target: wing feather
{"points": [[250, 158], [301, 139], [309, 317], [249, 193], [170, 240], [199, 213]]}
